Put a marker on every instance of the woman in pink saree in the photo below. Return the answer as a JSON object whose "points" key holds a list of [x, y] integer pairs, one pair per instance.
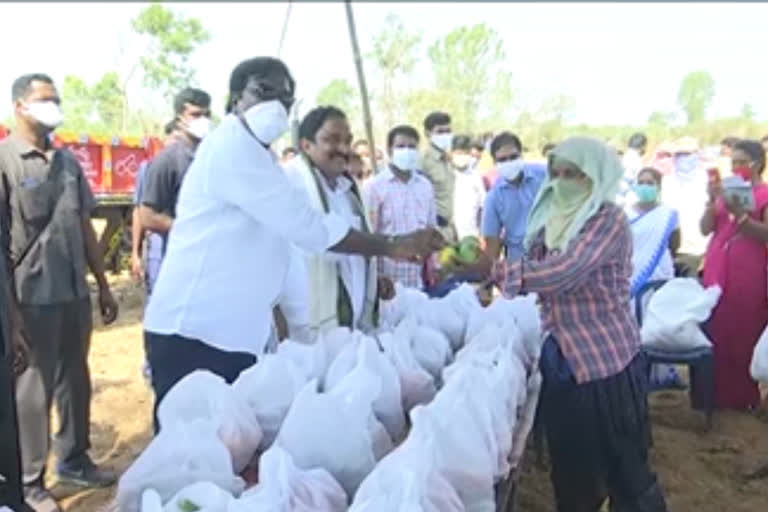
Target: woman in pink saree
{"points": [[737, 261]]}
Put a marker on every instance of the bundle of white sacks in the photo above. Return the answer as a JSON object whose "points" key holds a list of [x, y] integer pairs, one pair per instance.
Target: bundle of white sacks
{"points": [[327, 421]]}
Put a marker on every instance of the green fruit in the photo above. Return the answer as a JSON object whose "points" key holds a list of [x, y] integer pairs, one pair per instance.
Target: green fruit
{"points": [[186, 505], [470, 240], [468, 253]]}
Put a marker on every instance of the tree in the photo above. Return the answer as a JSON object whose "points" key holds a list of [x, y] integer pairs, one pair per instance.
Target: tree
{"points": [[172, 40], [466, 64], [695, 95], [393, 56], [748, 112]]}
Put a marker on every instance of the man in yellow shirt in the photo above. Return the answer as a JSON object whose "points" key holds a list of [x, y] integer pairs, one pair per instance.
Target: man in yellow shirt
{"points": [[437, 168]]}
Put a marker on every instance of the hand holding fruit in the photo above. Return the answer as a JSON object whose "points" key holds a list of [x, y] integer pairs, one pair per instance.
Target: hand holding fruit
{"points": [[418, 245], [466, 258]]}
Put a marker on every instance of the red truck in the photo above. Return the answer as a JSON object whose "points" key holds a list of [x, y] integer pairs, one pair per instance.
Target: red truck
{"points": [[111, 165]]}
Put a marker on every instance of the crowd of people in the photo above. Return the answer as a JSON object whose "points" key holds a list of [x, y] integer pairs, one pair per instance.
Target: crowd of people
{"points": [[240, 248]]}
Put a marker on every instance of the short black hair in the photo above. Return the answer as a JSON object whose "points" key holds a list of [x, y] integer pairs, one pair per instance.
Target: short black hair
{"points": [[169, 127], [764, 139], [22, 85], [505, 139], [654, 172], [196, 97], [729, 141], [638, 141], [289, 149], [754, 149], [238, 80], [316, 118], [462, 142], [436, 119], [549, 146], [403, 129], [478, 144]]}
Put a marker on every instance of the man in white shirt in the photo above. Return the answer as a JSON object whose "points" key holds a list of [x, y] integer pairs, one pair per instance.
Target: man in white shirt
{"points": [[343, 288], [229, 249], [469, 190]]}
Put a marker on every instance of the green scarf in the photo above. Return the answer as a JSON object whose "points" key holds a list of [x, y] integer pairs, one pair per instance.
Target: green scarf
{"points": [[562, 207]]}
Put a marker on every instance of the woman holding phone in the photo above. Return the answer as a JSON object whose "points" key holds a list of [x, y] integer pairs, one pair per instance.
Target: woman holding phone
{"points": [[736, 260]]}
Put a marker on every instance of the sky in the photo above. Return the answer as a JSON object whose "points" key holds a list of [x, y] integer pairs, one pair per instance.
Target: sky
{"points": [[619, 62]]}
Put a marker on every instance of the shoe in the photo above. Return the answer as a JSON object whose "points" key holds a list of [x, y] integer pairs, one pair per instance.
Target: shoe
{"points": [[38, 499], [85, 474]]}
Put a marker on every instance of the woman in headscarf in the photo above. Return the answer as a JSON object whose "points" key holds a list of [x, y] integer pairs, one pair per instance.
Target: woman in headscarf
{"points": [[594, 401], [736, 261]]}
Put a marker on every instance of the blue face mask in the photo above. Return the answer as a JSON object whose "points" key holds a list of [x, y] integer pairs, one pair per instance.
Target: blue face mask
{"points": [[686, 164], [646, 193]]}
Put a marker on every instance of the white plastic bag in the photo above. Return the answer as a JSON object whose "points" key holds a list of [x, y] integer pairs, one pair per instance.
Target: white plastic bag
{"points": [[200, 496], [674, 313], [392, 312], [203, 395], [759, 366], [467, 453], [431, 347], [387, 407], [268, 388], [334, 340], [181, 454], [408, 478], [526, 416], [283, 487], [416, 384], [333, 431], [312, 359], [459, 305]]}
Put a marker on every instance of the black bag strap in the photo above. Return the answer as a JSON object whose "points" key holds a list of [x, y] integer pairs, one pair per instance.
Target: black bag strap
{"points": [[56, 168]]}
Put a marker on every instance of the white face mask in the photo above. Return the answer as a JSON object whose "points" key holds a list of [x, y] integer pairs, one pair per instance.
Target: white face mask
{"points": [[267, 120], [199, 128], [461, 161], [442, 141], [47, 113], [406, 159], [512, 169]]}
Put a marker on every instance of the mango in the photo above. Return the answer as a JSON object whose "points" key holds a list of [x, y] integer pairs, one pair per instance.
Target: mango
{"points": [[447, 256]]}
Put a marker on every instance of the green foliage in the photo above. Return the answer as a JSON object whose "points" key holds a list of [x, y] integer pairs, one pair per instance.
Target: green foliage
{"points": [[341, 94], [393, 56], [468, 68], [173, 39], [695, 96]]}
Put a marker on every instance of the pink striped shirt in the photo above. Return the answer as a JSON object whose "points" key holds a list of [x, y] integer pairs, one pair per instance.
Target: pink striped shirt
{"points": [[396, 207], [584, 293]]}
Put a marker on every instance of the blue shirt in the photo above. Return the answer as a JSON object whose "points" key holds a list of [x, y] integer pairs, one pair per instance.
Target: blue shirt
{"points": [[154, 241], [507, 206]]}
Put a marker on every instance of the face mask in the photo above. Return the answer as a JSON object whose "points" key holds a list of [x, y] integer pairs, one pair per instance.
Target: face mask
{"points": [[646, 193], [47, 113], [686, 164], [267, 120], [199, 128], [442, 141], [510, 170], [745, 172], [406, 159], [461, 161], [568, 193]]}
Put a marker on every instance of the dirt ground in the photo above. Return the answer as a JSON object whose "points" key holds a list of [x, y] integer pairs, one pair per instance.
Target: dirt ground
{"points": [[701, 472]]}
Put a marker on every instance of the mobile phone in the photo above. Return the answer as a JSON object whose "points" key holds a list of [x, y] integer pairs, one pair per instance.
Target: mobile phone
{"points": [[714, 175]]}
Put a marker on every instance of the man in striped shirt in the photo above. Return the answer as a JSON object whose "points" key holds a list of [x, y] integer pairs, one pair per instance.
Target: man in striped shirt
{"points": [[399, 201]]}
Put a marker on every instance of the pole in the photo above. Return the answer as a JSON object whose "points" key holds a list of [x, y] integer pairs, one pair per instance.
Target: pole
{"points": [[285, 28], [361, 82]]}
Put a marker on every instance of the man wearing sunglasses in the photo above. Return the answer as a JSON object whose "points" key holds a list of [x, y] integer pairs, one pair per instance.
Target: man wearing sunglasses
{"points": [[229, 250], [509, 201]]}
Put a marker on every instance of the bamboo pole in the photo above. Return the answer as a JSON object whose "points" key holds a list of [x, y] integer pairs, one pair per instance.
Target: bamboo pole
{"points": [[361, 82]]}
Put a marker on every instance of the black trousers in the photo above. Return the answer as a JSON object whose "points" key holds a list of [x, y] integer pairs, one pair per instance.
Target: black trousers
{"points": [[59, 340], [598, 436], [11, 494], [173, 357]]}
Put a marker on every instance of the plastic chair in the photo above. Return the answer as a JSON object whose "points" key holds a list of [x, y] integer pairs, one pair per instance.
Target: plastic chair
{"points": [[700, 361]]}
